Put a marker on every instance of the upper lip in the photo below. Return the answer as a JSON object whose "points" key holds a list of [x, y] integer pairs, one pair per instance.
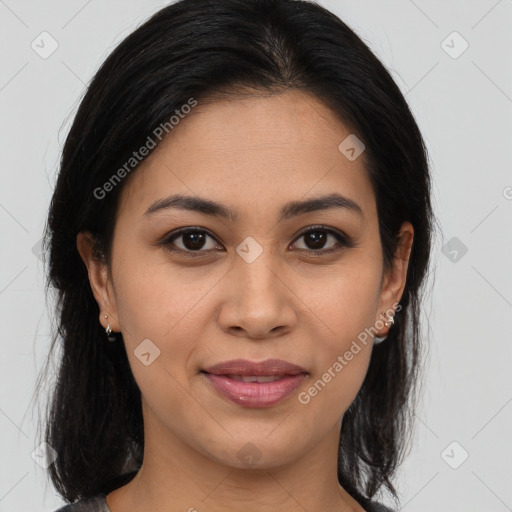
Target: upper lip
{"points": [[246, 367]]}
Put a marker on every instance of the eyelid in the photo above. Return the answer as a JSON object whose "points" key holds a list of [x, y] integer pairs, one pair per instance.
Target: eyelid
{"points": [[344, 240], [168, 239], [327, 229]]}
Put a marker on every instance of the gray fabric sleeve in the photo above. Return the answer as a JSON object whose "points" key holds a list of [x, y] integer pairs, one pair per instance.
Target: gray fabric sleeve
{"points": [[94, 504]]}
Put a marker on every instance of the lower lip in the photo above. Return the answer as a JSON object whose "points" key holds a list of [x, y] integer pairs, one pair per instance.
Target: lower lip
{"points": [[256, 394]]}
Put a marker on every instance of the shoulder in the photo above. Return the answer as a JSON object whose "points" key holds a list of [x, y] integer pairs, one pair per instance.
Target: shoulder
{"points": [[96, 503]]}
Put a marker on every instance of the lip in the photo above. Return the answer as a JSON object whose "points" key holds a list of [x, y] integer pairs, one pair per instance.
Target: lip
{"points": [[246, 367], [255, 394]]}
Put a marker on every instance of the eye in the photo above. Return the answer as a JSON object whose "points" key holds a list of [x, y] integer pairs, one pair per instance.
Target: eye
{"points": [[316, 237], [194, 240]]}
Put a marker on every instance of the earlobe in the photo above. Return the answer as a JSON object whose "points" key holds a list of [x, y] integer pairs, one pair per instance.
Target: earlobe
{"points": [[99, 280]]}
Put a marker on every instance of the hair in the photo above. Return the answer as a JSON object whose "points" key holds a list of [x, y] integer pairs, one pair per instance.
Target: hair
{"points": [[204, 49]]}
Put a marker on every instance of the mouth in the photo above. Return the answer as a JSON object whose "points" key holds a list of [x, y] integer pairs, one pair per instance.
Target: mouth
{"points": [[255, 378], [255, 384]]}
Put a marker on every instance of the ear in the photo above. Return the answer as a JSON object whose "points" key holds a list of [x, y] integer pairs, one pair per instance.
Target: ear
{"points": [[99, 278], [393, 283]]}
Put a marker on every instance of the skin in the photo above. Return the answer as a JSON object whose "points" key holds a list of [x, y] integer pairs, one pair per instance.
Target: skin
{"points": [[253, 155]]}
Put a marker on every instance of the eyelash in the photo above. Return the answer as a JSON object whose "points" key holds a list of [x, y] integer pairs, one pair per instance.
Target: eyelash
{"points": [[344, 241]]}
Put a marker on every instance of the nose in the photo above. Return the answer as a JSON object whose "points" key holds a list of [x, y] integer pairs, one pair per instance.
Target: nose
{"points": [[257, 302]]}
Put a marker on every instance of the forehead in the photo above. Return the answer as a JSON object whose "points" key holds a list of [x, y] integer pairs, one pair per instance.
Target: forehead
{"points": [[252, 153]]}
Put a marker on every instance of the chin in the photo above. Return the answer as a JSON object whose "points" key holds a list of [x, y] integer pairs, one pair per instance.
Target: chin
{"points": [[256, 452]]}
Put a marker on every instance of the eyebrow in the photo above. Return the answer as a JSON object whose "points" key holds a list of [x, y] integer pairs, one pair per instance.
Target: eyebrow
{"points": [[289, 210]]}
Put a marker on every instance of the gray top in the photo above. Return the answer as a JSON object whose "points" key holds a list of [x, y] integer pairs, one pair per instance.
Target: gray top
{"points": [[98, 503]]}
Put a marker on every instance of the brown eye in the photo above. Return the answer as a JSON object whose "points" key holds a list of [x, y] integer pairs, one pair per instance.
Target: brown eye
{"points": [[190, 241], [198, 242], [316, 238]]}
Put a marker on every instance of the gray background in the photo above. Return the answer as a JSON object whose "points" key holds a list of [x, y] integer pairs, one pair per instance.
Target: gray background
{"points": [[463, 104]]}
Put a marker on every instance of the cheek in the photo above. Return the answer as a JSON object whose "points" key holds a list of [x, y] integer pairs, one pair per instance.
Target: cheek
{"points": [[347, 306], [157, 302], [153, 298], [155, 311], [342, 365], [349, 299]]}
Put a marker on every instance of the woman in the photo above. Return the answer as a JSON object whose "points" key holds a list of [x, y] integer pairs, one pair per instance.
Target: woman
{"points": [[239, 236]]}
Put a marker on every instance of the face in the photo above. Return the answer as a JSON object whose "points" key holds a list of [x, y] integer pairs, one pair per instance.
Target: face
{"points": [[270, 280]]}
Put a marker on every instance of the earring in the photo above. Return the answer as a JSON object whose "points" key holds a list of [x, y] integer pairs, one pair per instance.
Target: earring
{"points": [[379, 339], [108, 330], [390, 321]]}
